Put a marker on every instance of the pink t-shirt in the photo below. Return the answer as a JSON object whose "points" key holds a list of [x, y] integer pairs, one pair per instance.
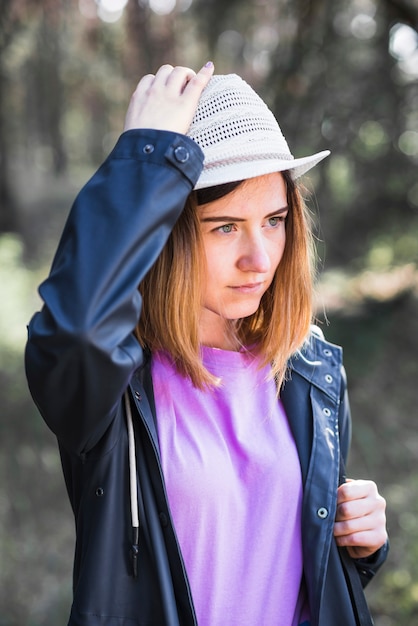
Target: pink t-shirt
{"points": [[234, 486]]}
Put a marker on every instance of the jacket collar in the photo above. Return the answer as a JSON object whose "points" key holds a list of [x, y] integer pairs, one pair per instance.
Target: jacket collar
{"points": [[319, 363], [313, 370]]}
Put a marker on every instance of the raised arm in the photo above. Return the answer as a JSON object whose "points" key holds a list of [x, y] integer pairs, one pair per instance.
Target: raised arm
{"points": [[81, 350]]}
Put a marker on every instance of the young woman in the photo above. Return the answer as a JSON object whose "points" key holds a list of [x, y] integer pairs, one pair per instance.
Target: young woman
{"points": [[202, 422]]}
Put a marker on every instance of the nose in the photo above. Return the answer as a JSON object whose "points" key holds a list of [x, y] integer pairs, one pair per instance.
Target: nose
{"points": [[254, 255]]}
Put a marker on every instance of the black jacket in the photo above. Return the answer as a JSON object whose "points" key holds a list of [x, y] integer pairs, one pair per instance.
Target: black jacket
{"points": [[82, 355]]}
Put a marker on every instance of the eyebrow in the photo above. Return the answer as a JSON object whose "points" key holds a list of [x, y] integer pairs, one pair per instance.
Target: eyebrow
{"points": [[231, 218]]}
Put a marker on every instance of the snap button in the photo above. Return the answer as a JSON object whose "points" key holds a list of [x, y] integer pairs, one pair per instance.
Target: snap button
{"points": [[328, 378], [148, 149], [181, 154], [326, 412], [163, 519], [327, 352], [322, 512], [99, 492]]}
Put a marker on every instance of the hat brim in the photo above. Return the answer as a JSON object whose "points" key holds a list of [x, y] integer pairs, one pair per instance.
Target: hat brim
{"points": [[241, 170]]}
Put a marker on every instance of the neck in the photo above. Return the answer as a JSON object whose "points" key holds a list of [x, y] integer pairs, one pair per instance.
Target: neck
{"points": [[219, 334]]}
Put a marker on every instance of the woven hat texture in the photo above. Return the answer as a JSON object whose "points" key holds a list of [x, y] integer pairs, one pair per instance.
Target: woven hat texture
{"points": [[240, 136]]}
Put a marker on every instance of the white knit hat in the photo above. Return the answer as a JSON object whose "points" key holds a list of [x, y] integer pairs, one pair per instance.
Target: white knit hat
{"points": [[240, 136]]}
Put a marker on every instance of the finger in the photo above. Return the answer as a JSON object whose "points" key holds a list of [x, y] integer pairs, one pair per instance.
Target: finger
{"points": [[179, 78], [356, 525], [366, 537], [196, 85], [369, 530], [355, 490], [144, 84], [361, 546], [366, 540], [162, 74], [351, 509]]}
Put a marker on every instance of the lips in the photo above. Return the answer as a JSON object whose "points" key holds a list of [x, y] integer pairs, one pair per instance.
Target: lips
{"points": [[248, 288]]}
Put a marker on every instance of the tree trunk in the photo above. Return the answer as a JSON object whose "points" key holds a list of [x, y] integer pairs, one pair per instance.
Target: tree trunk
{"points": [[9, 220]]}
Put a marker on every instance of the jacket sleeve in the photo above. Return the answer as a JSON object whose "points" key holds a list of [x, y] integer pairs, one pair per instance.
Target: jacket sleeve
{"points": [[81, 351]]}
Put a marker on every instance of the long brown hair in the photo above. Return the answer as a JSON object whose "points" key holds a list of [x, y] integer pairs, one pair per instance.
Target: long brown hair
{"points": [[171, 293]]}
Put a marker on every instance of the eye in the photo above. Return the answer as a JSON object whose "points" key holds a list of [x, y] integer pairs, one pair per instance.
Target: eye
{"points": [[276, 219], [225, 228]]}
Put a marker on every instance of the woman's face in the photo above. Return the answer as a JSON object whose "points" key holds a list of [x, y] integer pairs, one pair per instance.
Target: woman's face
{"points": [[244, 237]]}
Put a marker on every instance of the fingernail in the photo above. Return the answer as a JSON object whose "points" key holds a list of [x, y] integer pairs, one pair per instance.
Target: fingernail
{"points": [[209, 64]]}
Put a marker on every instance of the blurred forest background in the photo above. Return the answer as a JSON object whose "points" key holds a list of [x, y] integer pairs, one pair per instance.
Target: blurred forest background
{"points": [[339, 74]]}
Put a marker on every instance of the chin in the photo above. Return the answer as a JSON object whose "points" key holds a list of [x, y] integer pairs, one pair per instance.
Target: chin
{"points": [[242, 312]]}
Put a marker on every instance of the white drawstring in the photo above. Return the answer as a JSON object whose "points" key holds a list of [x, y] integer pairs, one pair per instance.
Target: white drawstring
{"points": [[132, 464], [133, 487]]}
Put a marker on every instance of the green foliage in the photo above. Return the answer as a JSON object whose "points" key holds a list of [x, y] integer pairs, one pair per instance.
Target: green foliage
{"points": [[17, 283], [35, 550], [395, 597], [340, 173]]}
